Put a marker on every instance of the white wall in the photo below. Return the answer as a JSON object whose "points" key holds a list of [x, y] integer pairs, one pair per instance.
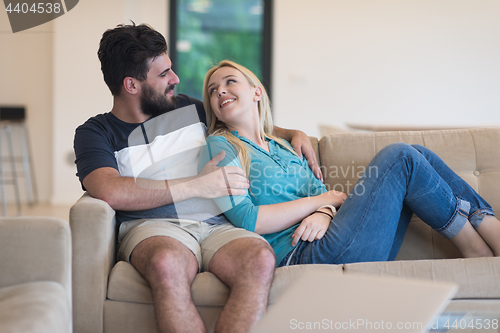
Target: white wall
{"points": [[79, 90], [26, 69], [418, 62], [424, 62]]}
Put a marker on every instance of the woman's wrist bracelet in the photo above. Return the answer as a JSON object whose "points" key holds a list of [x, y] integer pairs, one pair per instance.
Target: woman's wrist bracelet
{"points": [[333, 209], [318, 211]]}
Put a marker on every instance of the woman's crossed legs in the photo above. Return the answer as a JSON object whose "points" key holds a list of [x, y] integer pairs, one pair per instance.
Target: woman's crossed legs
{"points": [[399, 181]]}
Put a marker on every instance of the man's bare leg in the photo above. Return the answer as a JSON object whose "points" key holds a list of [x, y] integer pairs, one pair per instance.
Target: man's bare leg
{"points": [[170, 268], [246, 266]]}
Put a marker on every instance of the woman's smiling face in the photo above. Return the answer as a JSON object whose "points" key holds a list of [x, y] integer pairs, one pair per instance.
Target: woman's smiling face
{"points": [[232, 97]]}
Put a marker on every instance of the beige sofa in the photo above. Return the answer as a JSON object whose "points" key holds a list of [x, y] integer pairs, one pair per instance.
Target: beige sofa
{"points": [[113, 297], [35, 275]]}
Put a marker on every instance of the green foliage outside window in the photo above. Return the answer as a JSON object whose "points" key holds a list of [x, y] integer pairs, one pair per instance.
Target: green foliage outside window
{"points": [[209, 31]]}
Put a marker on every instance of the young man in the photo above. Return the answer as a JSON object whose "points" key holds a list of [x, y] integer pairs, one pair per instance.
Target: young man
{"points": [[139, 158]]}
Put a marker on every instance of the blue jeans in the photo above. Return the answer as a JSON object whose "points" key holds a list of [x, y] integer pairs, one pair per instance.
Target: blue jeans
{"points": [[399, 181]]}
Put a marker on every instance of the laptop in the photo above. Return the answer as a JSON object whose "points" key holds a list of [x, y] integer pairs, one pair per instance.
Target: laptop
{"points": [[320, 301]]}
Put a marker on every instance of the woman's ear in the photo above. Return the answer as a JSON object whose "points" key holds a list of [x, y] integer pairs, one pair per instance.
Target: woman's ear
{"points": [[130, 85], [258, 94]]}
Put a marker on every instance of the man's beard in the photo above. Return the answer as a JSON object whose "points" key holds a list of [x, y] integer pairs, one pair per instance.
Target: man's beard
{"points": [[153, 104]]}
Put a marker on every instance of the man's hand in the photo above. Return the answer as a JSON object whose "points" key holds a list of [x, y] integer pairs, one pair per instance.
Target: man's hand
{"points": [[311, 228], [214, 181], [302, 145]]}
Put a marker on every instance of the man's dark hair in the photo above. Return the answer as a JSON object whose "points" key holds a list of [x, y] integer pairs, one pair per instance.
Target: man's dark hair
{"points": [[125, 50]]}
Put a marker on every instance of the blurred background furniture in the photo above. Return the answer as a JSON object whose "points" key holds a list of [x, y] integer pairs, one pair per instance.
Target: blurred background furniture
{"points": [[35, 275], [10, 178], [389, 128], [329, 129], [14, 131]]}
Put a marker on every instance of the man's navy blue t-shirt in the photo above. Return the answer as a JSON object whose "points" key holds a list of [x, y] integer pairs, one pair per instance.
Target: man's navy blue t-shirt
{"points": [[162, 148]]}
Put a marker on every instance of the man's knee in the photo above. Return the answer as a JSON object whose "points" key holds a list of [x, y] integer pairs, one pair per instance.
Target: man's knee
{"points": [[165, 259], [263, 256], [259, 259], [244, 256], [168, 262]]}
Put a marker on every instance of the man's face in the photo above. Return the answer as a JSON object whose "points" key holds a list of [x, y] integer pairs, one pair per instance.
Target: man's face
{"points": [[157, 94]]}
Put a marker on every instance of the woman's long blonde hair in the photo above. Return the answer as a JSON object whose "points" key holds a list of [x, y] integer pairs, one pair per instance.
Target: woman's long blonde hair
{"points": [[217, 127]]}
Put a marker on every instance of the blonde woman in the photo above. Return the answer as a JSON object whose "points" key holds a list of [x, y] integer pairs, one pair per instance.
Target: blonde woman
{"points": [[305, 223]]}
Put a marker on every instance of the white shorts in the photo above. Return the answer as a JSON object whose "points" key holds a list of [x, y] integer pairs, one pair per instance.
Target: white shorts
{"points": [[201, 238]]}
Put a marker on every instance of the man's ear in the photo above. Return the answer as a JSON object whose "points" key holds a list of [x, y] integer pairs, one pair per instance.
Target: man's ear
{"points": [[258, 94], [130, 85]]}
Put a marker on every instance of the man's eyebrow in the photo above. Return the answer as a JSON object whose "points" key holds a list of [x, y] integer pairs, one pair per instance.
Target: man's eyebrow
{"points": [[225, 77], [164, 72]]}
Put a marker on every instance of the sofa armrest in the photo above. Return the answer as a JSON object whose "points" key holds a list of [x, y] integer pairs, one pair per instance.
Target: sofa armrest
{"points": [[35, 249], [93, 228], [35, 259]]}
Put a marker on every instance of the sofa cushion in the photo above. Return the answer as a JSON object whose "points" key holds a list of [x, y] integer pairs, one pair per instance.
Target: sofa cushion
{"points": [[33, 249], [126, 284], [40, 307], [477, 277], [422, 242]]}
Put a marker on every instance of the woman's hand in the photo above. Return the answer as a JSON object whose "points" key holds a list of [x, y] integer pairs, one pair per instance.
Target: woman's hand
{"points": [[334, 198], [311, 228]]}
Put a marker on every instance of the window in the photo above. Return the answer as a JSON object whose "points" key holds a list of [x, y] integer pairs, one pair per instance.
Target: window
{"points": [[204, 32]]}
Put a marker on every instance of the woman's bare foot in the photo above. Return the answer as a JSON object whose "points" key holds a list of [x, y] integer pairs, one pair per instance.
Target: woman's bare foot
{"points": [[470, 243], [489, 230]]}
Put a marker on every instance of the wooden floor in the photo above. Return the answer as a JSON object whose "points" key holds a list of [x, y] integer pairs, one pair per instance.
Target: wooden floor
{"points": [[43, 209]]}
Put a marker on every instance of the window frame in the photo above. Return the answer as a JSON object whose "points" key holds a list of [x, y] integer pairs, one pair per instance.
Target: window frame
{"points": [[267, 34]]}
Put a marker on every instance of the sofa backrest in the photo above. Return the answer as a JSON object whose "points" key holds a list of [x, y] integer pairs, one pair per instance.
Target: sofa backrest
{"points": [[474, 154], [34, 249]]}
